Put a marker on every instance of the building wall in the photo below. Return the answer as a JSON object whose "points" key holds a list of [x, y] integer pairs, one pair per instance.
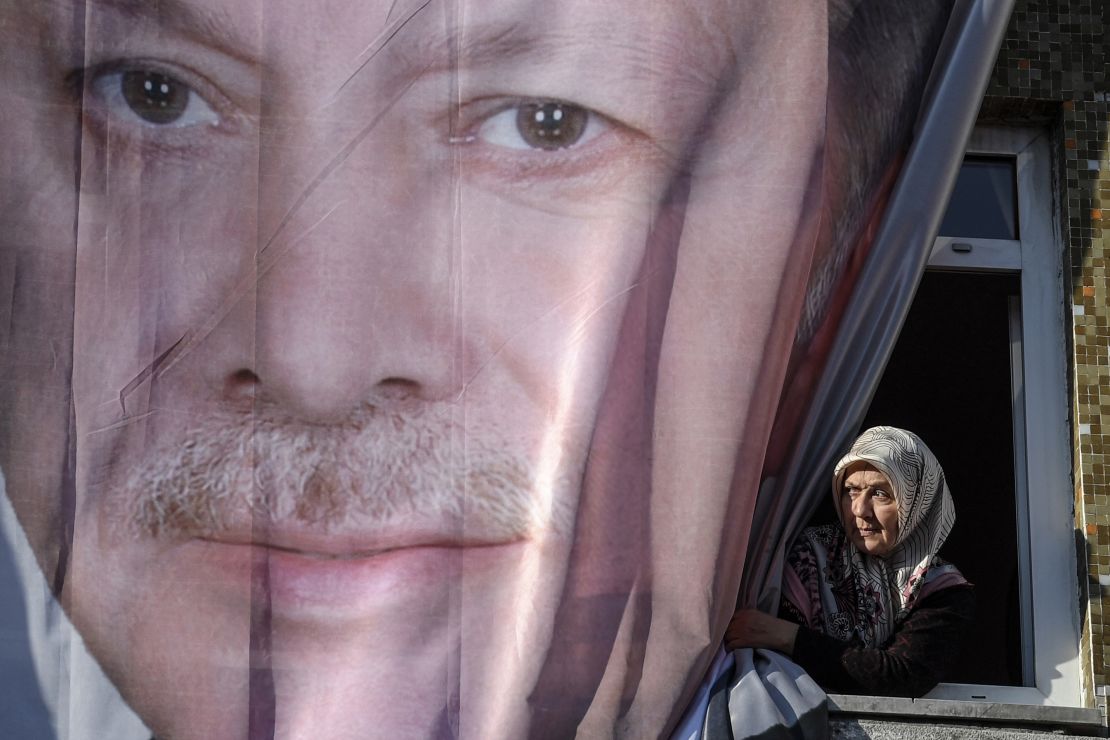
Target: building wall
{"points": [[1052, 71]]}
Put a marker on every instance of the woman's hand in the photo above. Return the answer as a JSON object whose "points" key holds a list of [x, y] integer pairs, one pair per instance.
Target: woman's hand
{"points": [[754, 629]]}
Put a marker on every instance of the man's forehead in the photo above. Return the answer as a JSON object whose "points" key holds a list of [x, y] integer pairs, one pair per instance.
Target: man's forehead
{"points": [[254, 27]]}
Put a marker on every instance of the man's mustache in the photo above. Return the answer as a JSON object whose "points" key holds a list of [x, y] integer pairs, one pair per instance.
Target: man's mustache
{"points": [[375, 471]]}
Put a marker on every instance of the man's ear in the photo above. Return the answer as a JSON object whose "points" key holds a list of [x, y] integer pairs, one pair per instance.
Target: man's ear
{"points": [[808, 357]]}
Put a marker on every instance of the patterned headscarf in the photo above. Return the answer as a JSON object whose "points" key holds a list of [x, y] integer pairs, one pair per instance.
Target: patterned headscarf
{"points": [[853, 595]]}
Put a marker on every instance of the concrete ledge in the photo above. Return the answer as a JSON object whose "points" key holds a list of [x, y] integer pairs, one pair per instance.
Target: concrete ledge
{"points": [[1077, 720], [858, 728]]}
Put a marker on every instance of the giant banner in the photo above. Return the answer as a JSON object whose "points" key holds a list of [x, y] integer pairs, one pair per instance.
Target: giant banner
{"points": [[418, 368]]}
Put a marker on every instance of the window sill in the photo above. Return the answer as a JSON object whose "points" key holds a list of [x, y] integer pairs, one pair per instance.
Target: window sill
{"points": [[1076, 720]]}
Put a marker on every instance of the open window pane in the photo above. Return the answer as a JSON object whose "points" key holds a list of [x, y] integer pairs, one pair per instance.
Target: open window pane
{"points": [[949, 381], [984, 201]]}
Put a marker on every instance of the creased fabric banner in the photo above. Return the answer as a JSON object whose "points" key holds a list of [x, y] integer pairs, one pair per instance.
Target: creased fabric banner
{"points": [[743, 695], [410, 368]]}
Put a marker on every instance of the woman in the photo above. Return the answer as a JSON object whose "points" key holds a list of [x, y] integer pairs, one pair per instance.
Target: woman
{"points": [[868, 607]]}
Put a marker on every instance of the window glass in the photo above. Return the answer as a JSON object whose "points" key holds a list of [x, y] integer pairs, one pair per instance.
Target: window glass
{"points": [[984, 201], [949, 381]]}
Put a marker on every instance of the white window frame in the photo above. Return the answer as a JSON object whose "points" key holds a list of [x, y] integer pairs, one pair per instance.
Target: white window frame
{"points": [[1049, 592]]}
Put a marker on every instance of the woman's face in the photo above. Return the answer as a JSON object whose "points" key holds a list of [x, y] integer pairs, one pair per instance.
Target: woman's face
{"points": [[869, 511]]}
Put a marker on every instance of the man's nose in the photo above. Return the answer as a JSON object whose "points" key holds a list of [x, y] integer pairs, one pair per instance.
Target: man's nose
{"points": [[354, 301], [327, 341]]}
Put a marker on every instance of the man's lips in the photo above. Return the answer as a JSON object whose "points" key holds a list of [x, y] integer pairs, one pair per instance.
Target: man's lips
{"points": [[310, 576], [312, 543]]}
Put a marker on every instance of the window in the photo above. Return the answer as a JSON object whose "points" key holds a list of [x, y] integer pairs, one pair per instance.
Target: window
{"points": [[984, 200], [979, 372]]}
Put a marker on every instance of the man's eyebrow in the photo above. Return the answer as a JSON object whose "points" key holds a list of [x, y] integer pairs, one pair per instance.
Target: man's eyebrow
{"points": [[444, 50], [470, 46], [639, 57], [209, 27], [489, 44]]}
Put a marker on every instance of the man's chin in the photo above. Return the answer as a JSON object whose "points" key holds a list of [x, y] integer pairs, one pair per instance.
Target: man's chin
{"points": [[361, 643]]}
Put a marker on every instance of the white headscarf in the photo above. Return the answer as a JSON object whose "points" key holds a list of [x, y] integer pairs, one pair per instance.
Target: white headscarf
{"points": [[853, 595], [925, 517]]}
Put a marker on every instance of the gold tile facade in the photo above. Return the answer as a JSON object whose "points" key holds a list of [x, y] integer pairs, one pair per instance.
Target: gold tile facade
{"points": [[1052, 72]]}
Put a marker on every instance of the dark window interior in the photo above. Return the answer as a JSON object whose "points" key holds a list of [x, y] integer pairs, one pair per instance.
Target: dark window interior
{"points": [[949, 381]]}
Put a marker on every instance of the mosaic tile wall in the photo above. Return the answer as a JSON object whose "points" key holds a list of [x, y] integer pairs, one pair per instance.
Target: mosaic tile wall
{"points": [[1052, 70]]}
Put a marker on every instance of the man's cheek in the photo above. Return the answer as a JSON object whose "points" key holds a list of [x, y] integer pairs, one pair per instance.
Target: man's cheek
{"points": [[159, 248], [37, 207], [548, 291]]}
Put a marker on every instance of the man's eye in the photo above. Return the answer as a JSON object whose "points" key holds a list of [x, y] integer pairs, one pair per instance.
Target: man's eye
{"points": [[545, 125], [152, 98]]}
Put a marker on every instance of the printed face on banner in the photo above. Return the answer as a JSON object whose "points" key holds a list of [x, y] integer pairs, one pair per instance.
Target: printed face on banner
{"points": [[312, 310]]}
